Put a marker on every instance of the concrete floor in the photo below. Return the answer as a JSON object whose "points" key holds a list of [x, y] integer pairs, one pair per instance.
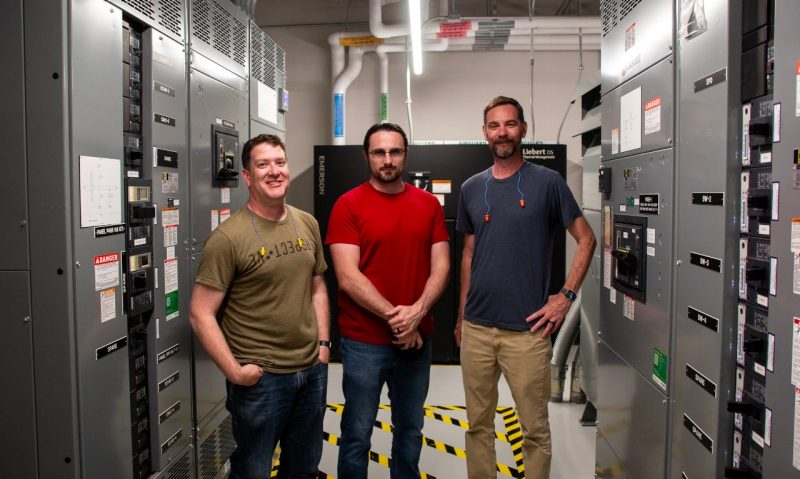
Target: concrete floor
{"points": [[573, 444]]}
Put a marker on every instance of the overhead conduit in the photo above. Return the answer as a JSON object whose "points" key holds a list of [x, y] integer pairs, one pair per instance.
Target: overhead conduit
{"points": [[442, 34]]}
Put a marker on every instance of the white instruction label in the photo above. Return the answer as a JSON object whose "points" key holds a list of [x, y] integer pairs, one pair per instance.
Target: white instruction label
{"points": [[796, 351], [607, 267], [651, 251], [795, 245], [441, 186], [106, 271], [796, 438], [170, 216], [651, 236], [214, 219], [628, 307], [773, 276], [170, 275], [612, 296], [225, 195], [101, 191], [614, 141], [797, 94], [630, 121], [796, 274], [170, 235], [224, 214], [108, 304]]}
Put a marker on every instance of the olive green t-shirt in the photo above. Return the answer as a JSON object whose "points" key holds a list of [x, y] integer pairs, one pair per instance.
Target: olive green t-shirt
{"points": [[267, 316]]}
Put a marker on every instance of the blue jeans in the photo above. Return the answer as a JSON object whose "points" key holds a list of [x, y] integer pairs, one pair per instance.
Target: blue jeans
{"points": [[281, 407], [366, 368]]}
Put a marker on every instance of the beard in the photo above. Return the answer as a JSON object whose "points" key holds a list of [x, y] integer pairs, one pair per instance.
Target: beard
{"points": [[387, 175], [504, 149]]}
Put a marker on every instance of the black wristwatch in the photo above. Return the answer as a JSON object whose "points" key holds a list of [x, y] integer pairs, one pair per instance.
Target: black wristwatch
{"points": [[326, 343], [569, 294]]}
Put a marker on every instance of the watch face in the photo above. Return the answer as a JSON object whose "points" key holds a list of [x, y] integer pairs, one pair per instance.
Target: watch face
{"points": [[569, 294]]}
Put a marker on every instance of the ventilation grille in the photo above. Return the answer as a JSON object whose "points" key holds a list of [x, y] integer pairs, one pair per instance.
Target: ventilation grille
{"points": [[181, 469], [227, 444], [217, 28], [626, 6], [170, 16], [267, 59], [201, 20], [492, 35], [217, 449], [166, 14], [612, 12], [209, 464], [608, 14]]}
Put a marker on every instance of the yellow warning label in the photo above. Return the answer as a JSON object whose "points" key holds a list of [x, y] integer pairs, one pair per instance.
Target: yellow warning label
{"points": [[361, 41]]}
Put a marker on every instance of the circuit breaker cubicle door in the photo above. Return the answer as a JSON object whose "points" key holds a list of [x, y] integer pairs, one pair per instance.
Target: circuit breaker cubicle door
{"points": [[638, 328], [101, 329], [166, 161], [212, 102], [707, 247]]}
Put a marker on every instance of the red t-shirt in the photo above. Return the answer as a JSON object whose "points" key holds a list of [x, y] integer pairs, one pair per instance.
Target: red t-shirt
{"points": [[395, 234]]}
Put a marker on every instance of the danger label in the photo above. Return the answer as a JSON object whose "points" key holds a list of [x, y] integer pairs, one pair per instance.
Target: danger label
{"points": [[652, 116], [106, 271]]}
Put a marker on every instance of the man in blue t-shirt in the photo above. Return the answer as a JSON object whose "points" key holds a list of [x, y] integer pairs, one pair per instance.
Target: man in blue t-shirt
{"points": [[509, 214]]}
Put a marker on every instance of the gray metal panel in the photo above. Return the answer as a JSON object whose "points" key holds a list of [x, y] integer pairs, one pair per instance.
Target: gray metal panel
{"points": [[46, 67], [655, 83], [607, 465], [167, 16], [590, 312], [636, 34], [164, 62], [210, 100], [591, 166], [18, 456], [219, 32], [96, 123], [785, 305], [634, 340], [708, 159], [632, 417], [13, 182], [208, 380]]}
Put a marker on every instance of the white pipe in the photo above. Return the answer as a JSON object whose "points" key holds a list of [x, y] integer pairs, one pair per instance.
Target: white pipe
{"points": [[520, 47], [340, 86], [378, 28], [545, 40]]}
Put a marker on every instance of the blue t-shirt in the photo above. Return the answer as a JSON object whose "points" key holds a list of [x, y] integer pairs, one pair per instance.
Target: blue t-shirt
{"points": [[510, 274]]}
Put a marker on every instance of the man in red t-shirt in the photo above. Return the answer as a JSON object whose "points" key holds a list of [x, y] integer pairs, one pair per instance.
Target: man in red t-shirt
{"points": [[391, 254]]}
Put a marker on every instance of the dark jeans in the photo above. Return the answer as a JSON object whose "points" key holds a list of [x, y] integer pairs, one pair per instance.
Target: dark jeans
{"points": [[281, 407], [366, 368]]}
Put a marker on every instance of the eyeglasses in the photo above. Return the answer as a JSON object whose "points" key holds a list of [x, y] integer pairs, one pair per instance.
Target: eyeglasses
{"points": [[394, 153]]}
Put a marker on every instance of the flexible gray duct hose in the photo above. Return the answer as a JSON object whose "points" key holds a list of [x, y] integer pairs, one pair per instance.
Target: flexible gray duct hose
{"points": [[569, 329]]}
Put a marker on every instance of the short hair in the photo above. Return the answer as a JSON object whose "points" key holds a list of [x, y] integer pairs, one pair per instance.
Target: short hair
{"points": [[503, 100], [273, 140], [386, 126]]}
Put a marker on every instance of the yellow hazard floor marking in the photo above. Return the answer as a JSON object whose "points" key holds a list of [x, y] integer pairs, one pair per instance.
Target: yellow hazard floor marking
{"points": [[513, 436]]}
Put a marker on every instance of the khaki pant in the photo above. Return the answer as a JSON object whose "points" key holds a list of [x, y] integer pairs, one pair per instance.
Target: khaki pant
{"points": [[524, 360]]}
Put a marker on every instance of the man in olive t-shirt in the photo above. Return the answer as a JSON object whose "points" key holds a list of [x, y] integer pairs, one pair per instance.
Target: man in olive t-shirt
{"points": [[260, 309]]}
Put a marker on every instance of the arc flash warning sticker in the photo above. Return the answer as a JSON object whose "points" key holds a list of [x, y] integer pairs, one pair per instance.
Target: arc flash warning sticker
{"points": [[106, 271], [652, 116], [108, 305]]}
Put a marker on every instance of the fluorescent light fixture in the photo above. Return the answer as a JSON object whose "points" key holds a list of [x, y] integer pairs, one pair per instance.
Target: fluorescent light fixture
{"points": [[415, 16]]}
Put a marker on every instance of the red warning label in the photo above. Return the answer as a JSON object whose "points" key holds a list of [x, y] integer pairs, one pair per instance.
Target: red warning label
{"points": [[106, 258]]}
